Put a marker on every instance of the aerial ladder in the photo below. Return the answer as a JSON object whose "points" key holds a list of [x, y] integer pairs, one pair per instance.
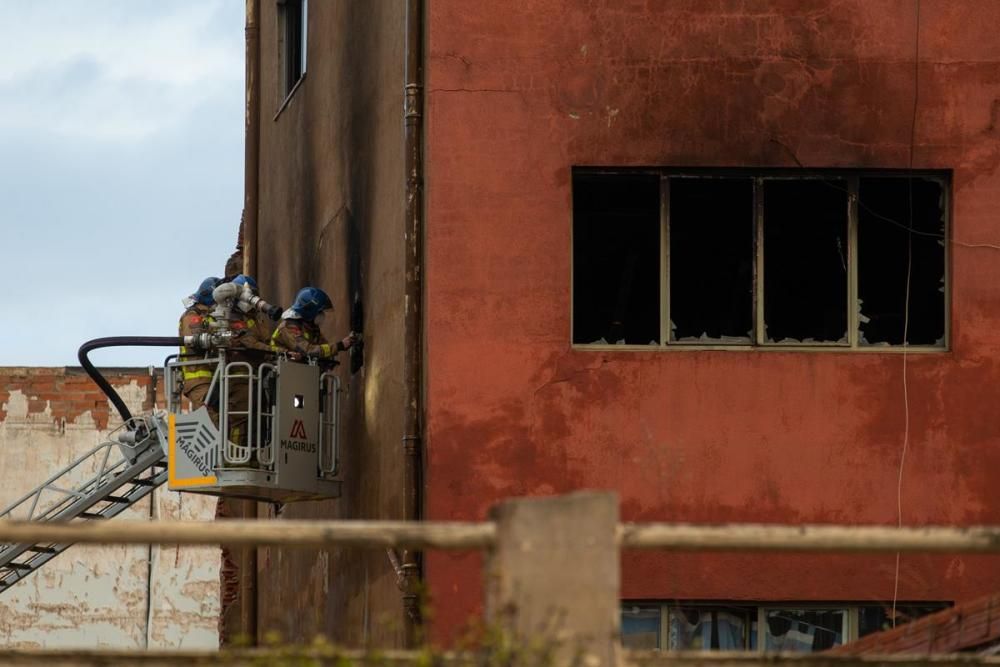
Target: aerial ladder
{"points": [[287, 449]]}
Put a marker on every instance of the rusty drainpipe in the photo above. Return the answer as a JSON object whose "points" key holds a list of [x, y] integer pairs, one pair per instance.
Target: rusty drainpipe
{"points": [[413, 107], [251, 160], [247, 509]]}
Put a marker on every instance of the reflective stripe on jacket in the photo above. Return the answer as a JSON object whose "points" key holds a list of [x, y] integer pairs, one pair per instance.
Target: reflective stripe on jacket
{"points": [[293, 335], [195, 320]]}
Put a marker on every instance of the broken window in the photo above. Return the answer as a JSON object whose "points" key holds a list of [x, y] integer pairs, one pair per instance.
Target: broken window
{"points": [[292, 22], [711, 259], [616, 259], [901, 241], [805, 261], [767, 258]]}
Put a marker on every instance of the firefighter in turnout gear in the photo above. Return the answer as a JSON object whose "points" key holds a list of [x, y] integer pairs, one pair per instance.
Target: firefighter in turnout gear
{"points": [[298, 334], [197, 319], [241, 311], [250, 330]]}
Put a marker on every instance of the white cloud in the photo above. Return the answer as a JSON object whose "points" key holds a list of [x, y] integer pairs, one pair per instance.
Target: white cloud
{"points": [[121, 127], [112, 69]]}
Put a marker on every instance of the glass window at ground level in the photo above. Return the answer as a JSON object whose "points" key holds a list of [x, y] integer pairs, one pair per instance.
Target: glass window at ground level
{"points": [[640, 627], [772, 627], [737, 257], [876, 618], [804, 630], [711, 629]]}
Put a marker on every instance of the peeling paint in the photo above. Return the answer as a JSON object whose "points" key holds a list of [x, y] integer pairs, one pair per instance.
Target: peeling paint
{"points": [[96, 596], [701, 436]]}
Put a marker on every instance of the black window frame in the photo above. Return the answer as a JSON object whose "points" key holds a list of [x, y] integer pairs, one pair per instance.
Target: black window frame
{"points": [[293, 45], [758, 341]]}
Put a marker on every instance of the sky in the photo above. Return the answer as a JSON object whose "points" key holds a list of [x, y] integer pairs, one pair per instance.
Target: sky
{"points": [[121, 169]]}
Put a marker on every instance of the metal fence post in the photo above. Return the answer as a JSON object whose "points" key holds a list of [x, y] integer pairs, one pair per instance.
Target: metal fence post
{"points": [[553, 576]]}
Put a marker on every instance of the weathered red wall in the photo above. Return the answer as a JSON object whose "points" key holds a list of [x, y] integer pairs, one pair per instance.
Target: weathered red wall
{"points": [[521, 92]]}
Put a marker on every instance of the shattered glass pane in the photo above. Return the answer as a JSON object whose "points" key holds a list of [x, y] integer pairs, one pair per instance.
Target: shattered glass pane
{"points": [[805, 261], [616, 258], [711, 259], [887, 246]]}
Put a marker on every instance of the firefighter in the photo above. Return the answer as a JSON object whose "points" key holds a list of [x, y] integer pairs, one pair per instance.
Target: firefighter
{"points": [[244, 312], [250, 330], [299, 332], [197, 319]]}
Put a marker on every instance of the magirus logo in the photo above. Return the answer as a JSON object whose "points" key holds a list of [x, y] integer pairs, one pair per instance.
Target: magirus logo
{"points": [[298, 430]]}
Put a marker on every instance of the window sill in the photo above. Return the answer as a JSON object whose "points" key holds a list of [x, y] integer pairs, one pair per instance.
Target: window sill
{"points": [[289, 96], [695, 347]]}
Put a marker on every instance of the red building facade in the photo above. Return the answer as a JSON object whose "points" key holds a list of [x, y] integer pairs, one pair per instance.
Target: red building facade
{"points": [[520, 96]]}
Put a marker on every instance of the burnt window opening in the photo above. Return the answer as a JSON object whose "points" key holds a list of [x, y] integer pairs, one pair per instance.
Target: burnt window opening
{"points": [[616, 259], [292, 32], [901, 227], [711, 259], [805, 261], [773, 258]]}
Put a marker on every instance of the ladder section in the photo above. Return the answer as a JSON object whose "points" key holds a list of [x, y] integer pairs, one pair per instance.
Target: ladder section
{"points": [[100, 484]]}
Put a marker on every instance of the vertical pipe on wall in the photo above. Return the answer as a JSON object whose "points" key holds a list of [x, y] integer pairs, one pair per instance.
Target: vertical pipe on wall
{"points": [[251, 147], [247, 509], [413, 315]]}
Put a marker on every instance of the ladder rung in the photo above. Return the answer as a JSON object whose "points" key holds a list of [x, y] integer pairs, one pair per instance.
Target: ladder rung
{"points": [[92, 515], [18, 566], [42, 550]]}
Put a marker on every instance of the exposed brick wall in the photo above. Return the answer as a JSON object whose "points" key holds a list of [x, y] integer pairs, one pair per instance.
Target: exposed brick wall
{"points": [[68, 392], [107, 595]]}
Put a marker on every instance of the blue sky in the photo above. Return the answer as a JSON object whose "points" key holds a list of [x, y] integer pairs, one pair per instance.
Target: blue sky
{"points": [[121, 169]]}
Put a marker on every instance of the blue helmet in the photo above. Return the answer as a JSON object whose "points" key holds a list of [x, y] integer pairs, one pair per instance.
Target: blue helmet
{"points": [[204, 293], [310, 302], [243, 279]]}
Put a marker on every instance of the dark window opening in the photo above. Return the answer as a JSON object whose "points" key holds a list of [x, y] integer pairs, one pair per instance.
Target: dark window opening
{"points": [[711, 259], [760, 257], [616, 259], [900, 231], [292, 28], [805, 261]]}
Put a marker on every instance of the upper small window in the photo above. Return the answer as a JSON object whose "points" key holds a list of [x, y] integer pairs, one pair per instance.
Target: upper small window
{"points": [[293, 18], [766, 258]]}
